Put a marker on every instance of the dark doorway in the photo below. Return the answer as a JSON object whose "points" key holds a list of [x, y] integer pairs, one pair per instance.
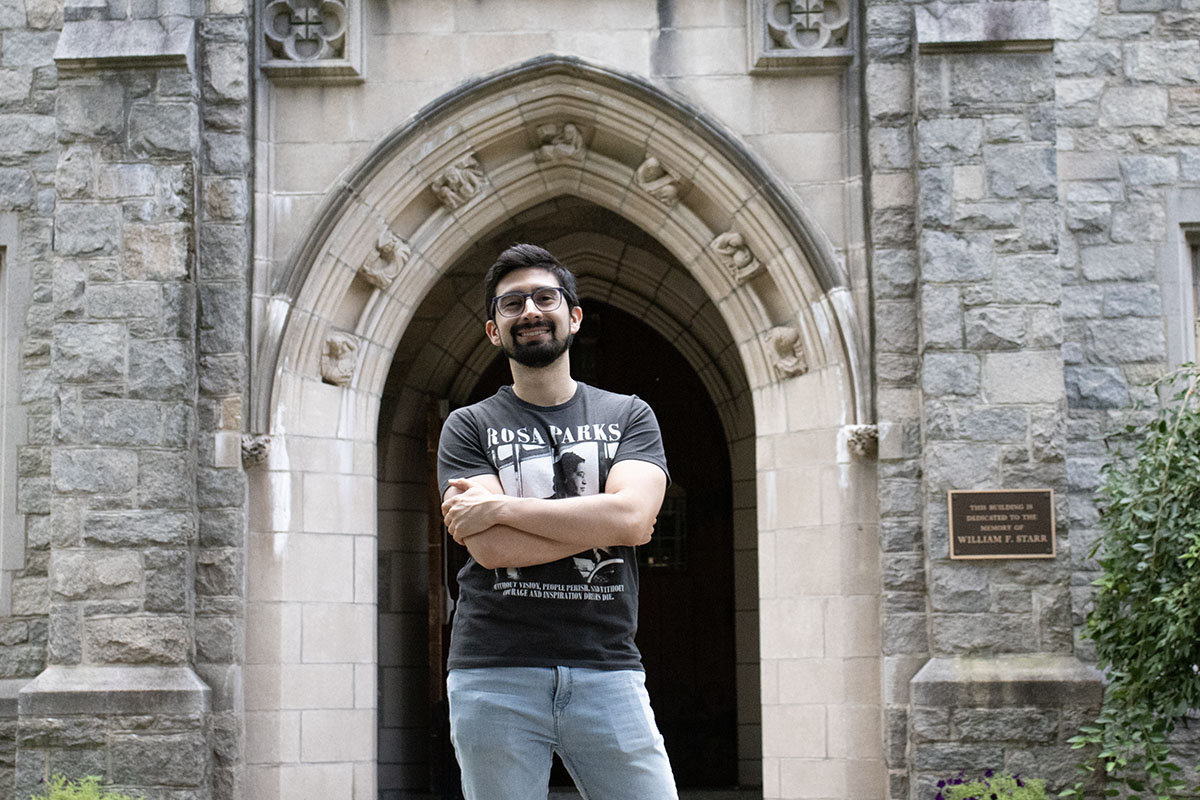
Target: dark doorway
{"points": [[686, 625]]}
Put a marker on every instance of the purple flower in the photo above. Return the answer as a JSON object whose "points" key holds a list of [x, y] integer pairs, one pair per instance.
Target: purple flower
{"points": [[989, 773], [942, 784]]}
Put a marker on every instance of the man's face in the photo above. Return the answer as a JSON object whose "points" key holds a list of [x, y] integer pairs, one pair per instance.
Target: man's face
{"points": [[533, 338]]}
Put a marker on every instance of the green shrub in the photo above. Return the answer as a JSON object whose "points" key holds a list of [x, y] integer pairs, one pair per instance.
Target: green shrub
{"points": [[1146, 612], [88, 788], [992, 786]]}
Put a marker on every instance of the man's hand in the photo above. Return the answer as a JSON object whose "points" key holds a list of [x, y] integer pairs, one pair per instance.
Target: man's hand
{"points": [[472, 510]]}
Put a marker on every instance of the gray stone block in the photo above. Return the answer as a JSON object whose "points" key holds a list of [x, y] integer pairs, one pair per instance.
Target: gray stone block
{"points": [[896, 326], [1024, 725], [223, 311], [950, 256], [1134, 262], [226, 200], [139, 528], [930, 724], [175, 760], [161, 370], [995, 328], [91, 575], [226, 74], [137, 640], [904, 572], [895, 273], [1163, 63], [941, 317], [1132, 300], [1124, 107], [899, 497], [166, 479], [220, 488], [959, 588], [164, 129], [986, 216], [1127, 339], [995, 424], [890, 148], [982, 81], [1088, 217], [65, 645], [1149, 170], [896, 368], [1021, 171], [219, 572], [167, 581], [1096, 388], [62, 732], [957, 465], [900, 535], [155, 252], [87, 229], [22, 661], [971, 634], [224, 252], [16, 188], [94, 471], [905, 633], [218, 640], [948, 759], [90, 110], [1139, 222], [950, 374], [949, 140], [1087, 58], [25, 48]]}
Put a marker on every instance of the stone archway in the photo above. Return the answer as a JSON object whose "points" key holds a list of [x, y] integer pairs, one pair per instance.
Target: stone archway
{"points": [[764, 312]]}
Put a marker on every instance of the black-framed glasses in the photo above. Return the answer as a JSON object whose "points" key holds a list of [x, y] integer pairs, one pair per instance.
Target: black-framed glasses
{"points": [[545, 298]]}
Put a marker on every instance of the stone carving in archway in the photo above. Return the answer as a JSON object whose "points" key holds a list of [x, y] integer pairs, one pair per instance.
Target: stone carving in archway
{"points": [[383, 266], [339, 359], [863, 440], [737, 256], [788, 347], [459, 182], [559, 142], [661, 183]]}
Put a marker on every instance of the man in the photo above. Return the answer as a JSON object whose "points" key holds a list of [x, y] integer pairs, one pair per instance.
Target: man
{"points": [[542, 658]]}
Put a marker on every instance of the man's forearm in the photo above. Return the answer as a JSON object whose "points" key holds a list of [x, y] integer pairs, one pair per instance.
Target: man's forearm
{"points": [[501, 546], [601, 520]]}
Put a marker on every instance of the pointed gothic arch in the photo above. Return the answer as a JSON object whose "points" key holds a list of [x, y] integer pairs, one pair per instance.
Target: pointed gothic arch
{"points": [[761, 308]]}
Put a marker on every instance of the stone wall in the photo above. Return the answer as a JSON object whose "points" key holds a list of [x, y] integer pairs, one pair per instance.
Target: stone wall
{"points": [[28, 154], [135, 367]]}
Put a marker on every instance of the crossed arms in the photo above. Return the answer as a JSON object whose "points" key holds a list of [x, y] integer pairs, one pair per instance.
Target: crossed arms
{"points": [[504, 531]]}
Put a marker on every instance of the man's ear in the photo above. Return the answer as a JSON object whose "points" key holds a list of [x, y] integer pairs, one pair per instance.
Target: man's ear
{"points": [[576, 319], [493, 333]]}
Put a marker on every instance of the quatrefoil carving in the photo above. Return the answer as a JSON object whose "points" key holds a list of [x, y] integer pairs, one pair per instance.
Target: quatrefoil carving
{"points": [[306, 30]]}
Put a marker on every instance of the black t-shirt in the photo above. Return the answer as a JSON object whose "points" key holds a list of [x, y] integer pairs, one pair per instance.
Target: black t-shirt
{"points": [[579, 611]]}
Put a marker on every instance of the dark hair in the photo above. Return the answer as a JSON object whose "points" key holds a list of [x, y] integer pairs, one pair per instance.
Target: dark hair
{"points": [[526, 256]]}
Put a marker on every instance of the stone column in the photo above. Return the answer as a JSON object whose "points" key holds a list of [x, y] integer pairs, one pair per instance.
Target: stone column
{"points": [[993, 403], [119, 697]]}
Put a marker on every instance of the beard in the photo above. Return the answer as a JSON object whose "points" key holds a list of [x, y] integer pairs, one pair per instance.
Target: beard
{"points": [[537, 354]]}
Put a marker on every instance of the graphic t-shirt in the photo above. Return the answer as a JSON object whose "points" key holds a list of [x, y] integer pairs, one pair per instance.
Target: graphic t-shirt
{"points": [[579, 611]]}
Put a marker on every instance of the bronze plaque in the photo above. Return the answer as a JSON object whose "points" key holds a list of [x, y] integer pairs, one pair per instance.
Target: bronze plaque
{"points": [[1002, 523]]}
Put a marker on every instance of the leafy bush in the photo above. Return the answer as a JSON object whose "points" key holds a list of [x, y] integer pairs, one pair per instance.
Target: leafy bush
{"points": [[991, 787], [1146, 616], [88, 788]]}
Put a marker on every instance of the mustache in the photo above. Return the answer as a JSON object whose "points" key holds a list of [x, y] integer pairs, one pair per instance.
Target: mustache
{"points": [[548, 324]]}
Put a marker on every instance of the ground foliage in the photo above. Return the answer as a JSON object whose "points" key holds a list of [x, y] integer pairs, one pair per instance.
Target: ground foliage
{"points": [[1145, 621], [991, 786], [89, 788]]}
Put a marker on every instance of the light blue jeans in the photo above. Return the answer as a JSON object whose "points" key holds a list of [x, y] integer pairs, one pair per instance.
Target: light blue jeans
{"points": [[506, 721]]}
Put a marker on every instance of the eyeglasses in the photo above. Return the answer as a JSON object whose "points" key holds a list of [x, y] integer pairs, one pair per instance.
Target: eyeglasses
{"points": [[512, 304]]}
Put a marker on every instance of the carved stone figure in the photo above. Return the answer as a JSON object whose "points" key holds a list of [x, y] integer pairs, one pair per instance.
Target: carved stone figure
{"points": [[255, 449], [384, 265], [658, 181], [305, 32], [559, 143], [340, 358], [789, 352], [461, 181], [736, 254], [863, 440]]}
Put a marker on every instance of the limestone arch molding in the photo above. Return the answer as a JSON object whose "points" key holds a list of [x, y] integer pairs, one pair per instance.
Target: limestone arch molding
{"points": [[623, 120]]}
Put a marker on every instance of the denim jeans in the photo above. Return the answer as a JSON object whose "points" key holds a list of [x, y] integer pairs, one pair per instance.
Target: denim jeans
{"points": [[506, 721]]}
